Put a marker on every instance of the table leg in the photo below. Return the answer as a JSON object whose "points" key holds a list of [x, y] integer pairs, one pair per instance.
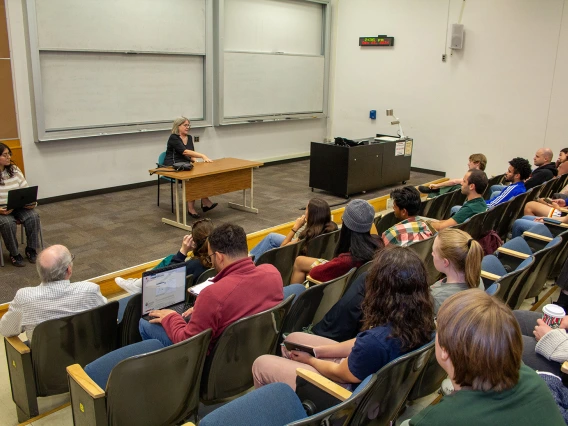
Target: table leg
{"points": [[243, 207], [177, 223]]}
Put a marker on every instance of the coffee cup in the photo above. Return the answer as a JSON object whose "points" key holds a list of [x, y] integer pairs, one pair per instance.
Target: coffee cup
{"points": [[552, 315]]}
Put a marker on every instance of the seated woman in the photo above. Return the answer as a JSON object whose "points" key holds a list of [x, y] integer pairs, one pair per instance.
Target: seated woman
{"points": [[398, 317], [355, 247], [527, 222], [562, 162], [455, 254], [199, 260], [11, 177], [317, 221], [479, 345], [180, 150]]}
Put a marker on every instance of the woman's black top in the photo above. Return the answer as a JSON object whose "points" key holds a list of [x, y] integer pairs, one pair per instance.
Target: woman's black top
{"points": [[175, 149]]}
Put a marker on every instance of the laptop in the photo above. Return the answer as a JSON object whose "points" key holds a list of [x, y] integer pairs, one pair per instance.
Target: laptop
{"points": [[19, 198], [164, 288]]}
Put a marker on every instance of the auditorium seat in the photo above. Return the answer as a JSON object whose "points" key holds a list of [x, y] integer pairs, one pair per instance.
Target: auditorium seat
{"points": [[323, 246], [282, 258]]}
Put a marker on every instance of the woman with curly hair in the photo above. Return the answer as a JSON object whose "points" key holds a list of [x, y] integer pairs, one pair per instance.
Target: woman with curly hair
{"points": [[398, 317]]}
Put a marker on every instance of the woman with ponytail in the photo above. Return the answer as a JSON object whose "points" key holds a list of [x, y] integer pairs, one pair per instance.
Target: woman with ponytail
{"points": [[458, 257]]}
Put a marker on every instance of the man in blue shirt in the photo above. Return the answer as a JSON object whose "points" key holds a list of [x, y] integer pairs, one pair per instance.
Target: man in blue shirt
{"points": [[519, 170]]}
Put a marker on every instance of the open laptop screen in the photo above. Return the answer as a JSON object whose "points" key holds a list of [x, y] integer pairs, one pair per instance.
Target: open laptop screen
{"points": [[163, 287]]}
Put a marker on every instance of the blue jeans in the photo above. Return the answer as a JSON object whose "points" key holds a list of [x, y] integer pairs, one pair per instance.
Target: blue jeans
{"points": [[497, 188], [153, 331], [295, 289], [269, 242], [524, 224], [454, 210]]}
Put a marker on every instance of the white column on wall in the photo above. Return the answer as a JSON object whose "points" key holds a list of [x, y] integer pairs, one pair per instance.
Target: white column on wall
{"points": [[492, 97]]}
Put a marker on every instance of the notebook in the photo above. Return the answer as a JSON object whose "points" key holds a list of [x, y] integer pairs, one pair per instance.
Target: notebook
{"points": [[164, 288], [19, 198]]}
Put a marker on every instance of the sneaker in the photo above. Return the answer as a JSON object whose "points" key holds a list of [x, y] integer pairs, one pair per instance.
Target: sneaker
{"points": [[130, 285], [447, 387], [31, 254], [17, 260], [426, 190]]}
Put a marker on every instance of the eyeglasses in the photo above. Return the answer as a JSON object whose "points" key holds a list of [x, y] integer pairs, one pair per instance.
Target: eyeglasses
{"points": [[211, 255], [72, 257], [7, 155]]}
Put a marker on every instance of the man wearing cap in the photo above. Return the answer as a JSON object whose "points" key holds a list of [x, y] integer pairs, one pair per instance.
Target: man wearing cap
{"points": [[356, 246]]}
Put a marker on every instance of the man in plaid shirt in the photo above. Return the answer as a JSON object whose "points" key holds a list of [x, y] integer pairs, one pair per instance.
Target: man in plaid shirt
{"points": [[406, 203], [55, 297]]}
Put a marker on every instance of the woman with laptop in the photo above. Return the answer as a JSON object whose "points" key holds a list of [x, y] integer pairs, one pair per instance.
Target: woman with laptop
{"points": [[180, 150], [11, 177]]}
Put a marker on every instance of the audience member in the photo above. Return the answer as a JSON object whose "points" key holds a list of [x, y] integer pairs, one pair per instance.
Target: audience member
{"points": [[54, 298], [458, 257], [545, 168], [479, 345], [406, 203], [11, 177], [562, 162], [355, 246], [398, 318], [474, 184], [532, 223], [239, 289], [545, 208], [317, 221], [476, 161], [196, 244], [519, 170]]}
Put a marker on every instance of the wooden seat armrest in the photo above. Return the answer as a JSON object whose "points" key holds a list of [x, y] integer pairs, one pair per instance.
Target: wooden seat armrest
{"points": [[312, 280], [513, 253], [564, 367], [324, 384], [537, 236], [18, 345], [77, 373], [489, 276]]}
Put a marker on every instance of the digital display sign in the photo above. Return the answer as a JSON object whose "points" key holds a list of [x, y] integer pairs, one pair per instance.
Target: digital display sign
{"points": [[381, 40]]}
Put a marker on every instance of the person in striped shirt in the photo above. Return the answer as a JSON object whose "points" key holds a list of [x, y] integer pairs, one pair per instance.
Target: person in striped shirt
{"points": [[519, 170], [11, 177], [405, 203]]}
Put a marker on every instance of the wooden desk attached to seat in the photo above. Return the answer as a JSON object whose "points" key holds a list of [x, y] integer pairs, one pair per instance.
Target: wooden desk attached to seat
{"points": [[209, 179]]}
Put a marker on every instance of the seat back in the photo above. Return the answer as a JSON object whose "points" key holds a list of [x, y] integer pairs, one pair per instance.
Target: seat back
{"points": [[323, 246], [227, 370], [76, 339], [282, 258], [424, 251], [312, 305], [161, 158], [430, 379], [546, 188], [456, 199], [495, 180], [438, 207], [209, 273], [515, 206], [170, 375], [425, 206], [492, 218], [128, 328], [473, 225], [386, 222], [508, 282], [360, 271], [562, 253]]}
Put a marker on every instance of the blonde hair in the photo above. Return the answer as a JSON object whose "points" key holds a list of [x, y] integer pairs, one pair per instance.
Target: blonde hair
{"points": [[479, 159], [463, 252], [178, 122]]}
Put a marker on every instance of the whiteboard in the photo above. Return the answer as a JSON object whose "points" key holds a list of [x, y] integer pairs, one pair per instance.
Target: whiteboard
{"points": [[274, 26], [91, 89], [262, 84], [121, 25]]}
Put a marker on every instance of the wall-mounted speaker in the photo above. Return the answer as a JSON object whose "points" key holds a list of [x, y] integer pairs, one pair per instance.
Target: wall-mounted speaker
{"points": [[457, 36]]}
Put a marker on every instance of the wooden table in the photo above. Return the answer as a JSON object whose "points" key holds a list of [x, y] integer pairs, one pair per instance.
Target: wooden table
{"points": [[209, 179]]}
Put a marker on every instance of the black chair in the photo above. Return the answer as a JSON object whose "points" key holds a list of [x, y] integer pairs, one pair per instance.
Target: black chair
{"points": [[546, 188], [385, 222], [210, 273], [456, 199], [515, 206], [160, 162], [439, 206], [562, 255], [227, 370], [424, 251], [128, 332], [429, 381], [39, 370], [159, 387], [282, 258], [312, 305], [495, 180], [493, 218], [323, 246], [473, 225], [425, 206], [360, 270]]}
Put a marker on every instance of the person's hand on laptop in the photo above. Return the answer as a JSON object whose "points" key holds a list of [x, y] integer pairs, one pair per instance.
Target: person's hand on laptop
{"points": [[4, 211], [187, 313], [160, 314]]}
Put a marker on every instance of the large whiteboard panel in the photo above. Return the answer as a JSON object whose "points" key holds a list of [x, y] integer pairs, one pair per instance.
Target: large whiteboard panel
{"points": [[123, 25], [88, 89], [274, 26], [261, 84]]}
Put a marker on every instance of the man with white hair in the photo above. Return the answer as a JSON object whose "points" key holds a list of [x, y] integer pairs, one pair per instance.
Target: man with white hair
{"points": [[55, 297]]}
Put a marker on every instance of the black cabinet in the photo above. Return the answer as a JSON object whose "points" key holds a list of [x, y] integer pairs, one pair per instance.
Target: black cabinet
{"points": [[350, 170]]}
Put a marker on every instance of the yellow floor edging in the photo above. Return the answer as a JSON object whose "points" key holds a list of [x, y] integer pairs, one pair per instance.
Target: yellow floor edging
{"points": [[110, 289]]}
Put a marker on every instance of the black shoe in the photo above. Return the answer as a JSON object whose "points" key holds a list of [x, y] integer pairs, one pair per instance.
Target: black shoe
{"points": [[17, 260], [31, 254], [194, 215], [211, 207], [426, 190]]}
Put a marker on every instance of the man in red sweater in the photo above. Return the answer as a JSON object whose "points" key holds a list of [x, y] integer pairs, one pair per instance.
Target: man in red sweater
{"points": [[240, 289]]}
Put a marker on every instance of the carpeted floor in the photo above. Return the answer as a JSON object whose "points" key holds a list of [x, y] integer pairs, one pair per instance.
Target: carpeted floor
{"points": [[114, 231]]}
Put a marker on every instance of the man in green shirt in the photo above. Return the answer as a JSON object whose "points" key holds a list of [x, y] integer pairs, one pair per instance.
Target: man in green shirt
{"points": [[479, 344], [473, 186]]}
